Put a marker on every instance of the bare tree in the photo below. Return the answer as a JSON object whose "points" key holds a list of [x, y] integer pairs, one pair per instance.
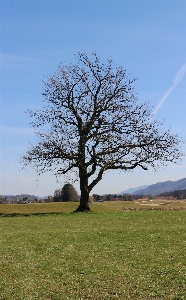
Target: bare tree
{"points": [[93, 123], [57, 195]]}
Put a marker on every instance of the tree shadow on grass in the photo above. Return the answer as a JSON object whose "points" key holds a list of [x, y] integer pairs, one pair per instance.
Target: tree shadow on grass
{"points": [[30, 214]]}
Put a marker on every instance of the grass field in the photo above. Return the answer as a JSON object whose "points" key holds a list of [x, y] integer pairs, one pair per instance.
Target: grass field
{"points": [[110, 253], [107, 206]]}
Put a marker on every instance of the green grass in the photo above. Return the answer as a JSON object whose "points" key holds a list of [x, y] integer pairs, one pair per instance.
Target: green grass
{"points": [[99, 255]]}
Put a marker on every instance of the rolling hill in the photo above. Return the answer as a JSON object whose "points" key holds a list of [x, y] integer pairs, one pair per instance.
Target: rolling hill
{"points": [[132, 190], [161, 187]]}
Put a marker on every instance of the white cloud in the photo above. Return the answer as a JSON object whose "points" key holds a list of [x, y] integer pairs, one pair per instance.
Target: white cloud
{"points": [[17, 130]]}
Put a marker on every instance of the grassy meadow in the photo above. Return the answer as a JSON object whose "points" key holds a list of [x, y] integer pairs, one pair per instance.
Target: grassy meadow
{"points": [[114, 252]]}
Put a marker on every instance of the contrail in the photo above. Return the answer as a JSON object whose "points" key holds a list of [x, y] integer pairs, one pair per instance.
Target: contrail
{"points": [[178, 78]]}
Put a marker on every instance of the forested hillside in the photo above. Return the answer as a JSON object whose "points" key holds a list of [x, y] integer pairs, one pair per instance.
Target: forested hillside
{"points": [[162, 187]]}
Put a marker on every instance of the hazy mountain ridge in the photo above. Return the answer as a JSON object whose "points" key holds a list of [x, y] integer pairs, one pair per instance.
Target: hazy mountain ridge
{"points": [[132, 190], [161, 187]]}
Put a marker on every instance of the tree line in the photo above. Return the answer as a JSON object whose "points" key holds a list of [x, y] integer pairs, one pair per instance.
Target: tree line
{"points": [[69, 194], [111, 197], [178, 194]]}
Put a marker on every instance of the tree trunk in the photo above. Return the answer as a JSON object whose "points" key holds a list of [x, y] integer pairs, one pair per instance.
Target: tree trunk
{"points": [[84, 199], [84, 203]]}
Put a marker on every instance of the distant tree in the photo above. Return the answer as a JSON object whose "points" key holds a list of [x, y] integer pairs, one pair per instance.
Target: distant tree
{"points": [[179, 194], [97, 197], [183, 196], [109, 197], [49, 199], [69, 193], [57, 196], [25, 199], [93, 123], [2, 199], [127, 197]]}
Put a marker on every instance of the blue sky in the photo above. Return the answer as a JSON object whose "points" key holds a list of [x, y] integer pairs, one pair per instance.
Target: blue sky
{"points": [[147, 37]]}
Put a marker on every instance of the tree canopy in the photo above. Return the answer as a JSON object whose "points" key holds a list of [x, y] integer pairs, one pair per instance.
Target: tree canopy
{"points": [[93, 122]]}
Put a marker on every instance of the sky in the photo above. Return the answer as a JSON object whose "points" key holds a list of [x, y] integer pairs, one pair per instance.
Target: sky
{"points": [[147, 37]]}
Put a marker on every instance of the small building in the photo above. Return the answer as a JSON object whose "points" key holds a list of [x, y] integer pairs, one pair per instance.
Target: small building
{"points": [[143, 199]]}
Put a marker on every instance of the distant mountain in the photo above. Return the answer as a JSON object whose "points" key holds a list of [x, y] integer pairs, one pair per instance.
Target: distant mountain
{"points": [[132, 190], [161, 187]]}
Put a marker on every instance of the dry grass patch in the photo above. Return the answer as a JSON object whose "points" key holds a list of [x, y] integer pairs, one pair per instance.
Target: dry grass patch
{"points": [[107, 206]]}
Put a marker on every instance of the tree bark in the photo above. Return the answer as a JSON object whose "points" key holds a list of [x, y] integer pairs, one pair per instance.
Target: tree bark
{"points": [[83, 175], [84, 204], [84, 199]]}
